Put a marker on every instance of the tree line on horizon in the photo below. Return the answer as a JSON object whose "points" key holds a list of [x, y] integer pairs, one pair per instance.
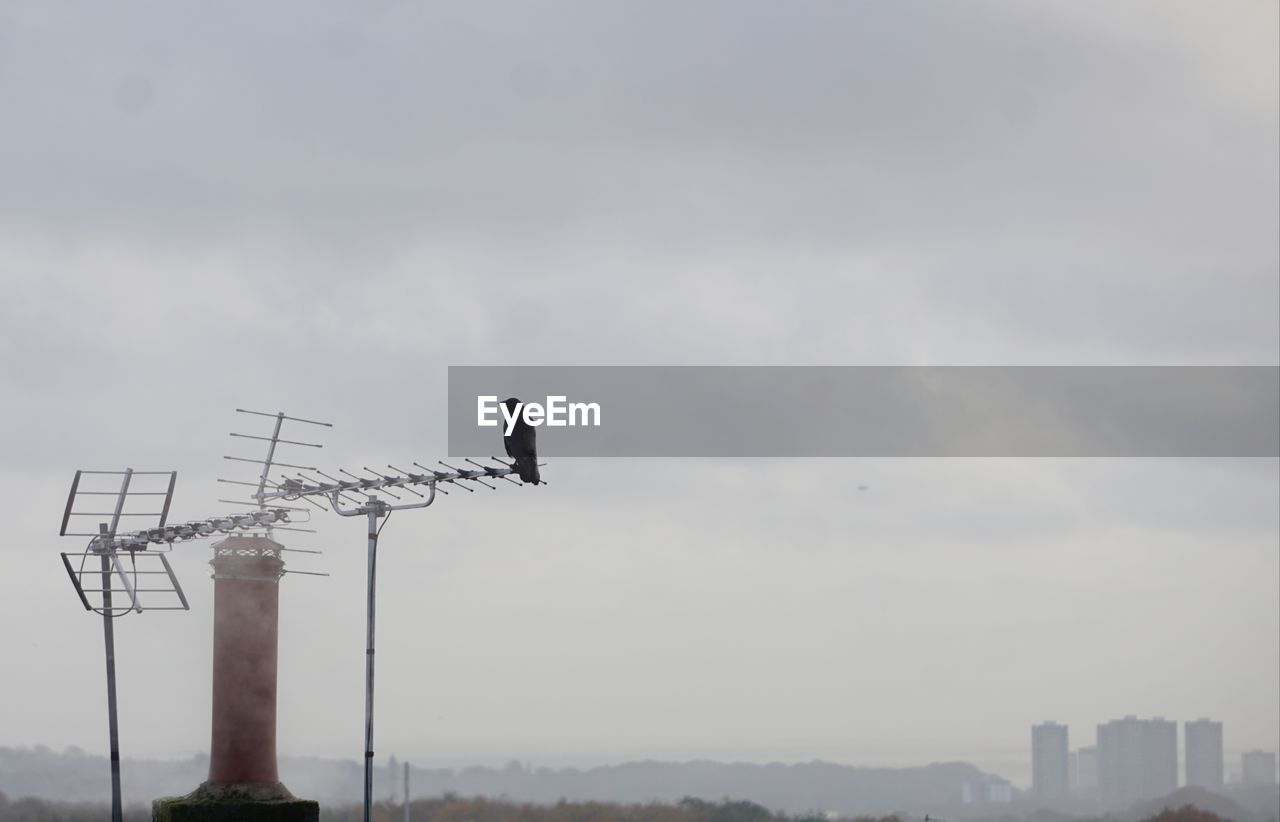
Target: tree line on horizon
{"points": [[451, 808]]}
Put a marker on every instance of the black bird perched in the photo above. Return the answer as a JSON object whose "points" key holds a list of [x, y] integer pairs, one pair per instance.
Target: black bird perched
{"points": [[521, 444]]}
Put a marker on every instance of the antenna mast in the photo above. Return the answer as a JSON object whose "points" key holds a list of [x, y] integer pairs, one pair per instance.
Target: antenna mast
{"points": [[115, 579]]}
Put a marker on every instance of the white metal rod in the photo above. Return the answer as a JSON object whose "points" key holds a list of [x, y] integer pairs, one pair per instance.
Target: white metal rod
{"points": [[276, 439], [124, 579], [124, 489], [285, 416], [358, 484]]}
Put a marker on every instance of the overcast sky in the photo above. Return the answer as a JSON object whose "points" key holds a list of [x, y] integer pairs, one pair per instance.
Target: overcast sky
{"points": [[318, 207]]}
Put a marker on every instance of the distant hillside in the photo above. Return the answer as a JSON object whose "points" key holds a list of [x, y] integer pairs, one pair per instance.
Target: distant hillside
{"points": [[1201, 799], [73, 775], [790, 788]]}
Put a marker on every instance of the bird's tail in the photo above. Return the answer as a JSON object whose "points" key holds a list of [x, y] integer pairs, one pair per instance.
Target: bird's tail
{"points": [[527, 468]]}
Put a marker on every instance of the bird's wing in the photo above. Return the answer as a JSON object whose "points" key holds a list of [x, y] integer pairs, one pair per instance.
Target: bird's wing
{"points": [[528, 437]]}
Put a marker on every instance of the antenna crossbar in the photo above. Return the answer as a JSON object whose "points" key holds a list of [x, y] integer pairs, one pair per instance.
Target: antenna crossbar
{"points": [[284, 417], [169, 534], [276, 439], [293, 489]]}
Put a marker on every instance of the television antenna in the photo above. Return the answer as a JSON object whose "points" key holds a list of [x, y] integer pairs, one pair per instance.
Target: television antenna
{"points": [[127, 573], [344, 497], [297, 483], [264, 482], [118, 583]]}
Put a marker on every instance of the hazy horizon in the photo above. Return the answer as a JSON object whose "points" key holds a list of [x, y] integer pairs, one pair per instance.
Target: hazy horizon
{"points": [[1012, 763]]}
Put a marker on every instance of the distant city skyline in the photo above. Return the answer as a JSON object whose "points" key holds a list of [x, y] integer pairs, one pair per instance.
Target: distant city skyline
{"points": [[1137, 759]]}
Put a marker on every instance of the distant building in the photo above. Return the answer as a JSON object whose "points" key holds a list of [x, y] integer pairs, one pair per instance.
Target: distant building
{"points": [[1161, 757], [1049, 761], [1086, 783], [989, 789], [1203, 741], [1137, 758], [1258, 768]]}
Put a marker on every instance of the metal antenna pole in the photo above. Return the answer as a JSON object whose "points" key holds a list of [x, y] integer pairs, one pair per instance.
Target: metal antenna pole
{"points": [[108, 635], [406, 792], [106, 545], [374, 508], [107, 532]]}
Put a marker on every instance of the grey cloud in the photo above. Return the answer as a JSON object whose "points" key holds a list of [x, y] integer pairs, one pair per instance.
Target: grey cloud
{"points": [[891, 158]]}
